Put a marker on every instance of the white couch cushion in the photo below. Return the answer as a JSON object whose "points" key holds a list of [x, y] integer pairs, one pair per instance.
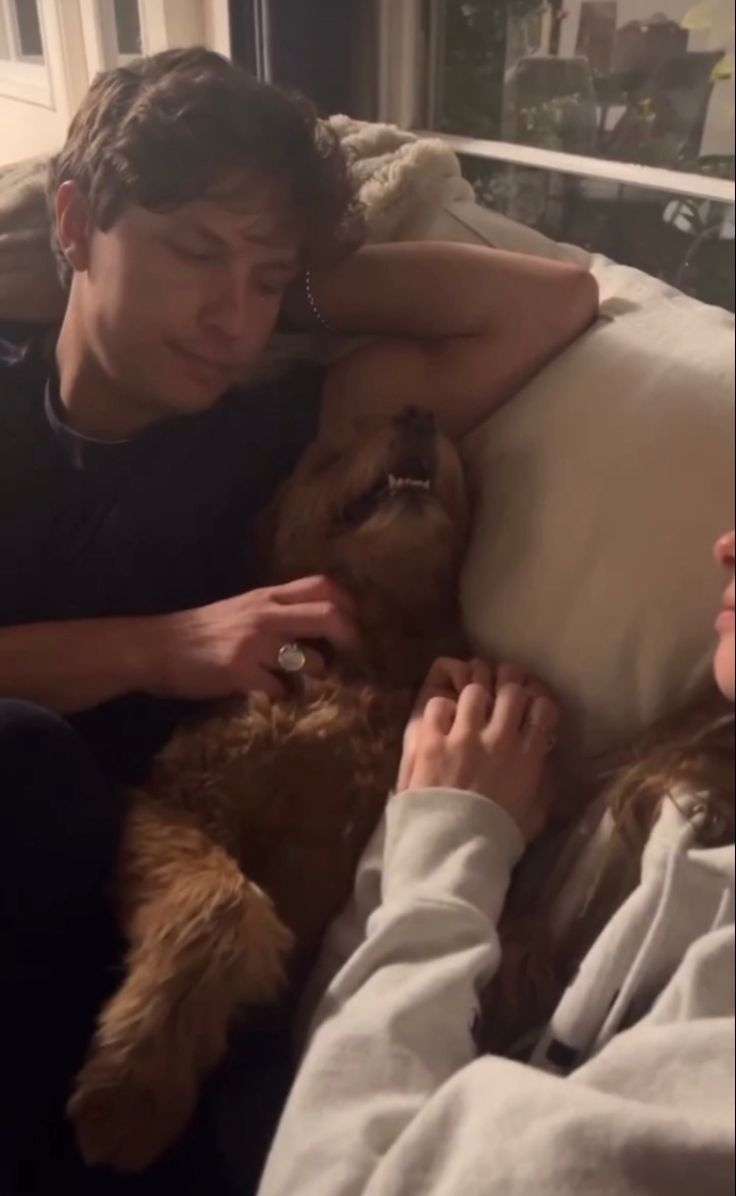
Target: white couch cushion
{"points": [[601, 489]]}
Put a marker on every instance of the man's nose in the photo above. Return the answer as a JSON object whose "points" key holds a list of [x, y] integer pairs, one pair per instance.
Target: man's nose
{"points": [[226, 311]]}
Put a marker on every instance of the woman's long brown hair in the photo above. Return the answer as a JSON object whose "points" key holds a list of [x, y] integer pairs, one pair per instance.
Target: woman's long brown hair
{"points": [[690, 755]]}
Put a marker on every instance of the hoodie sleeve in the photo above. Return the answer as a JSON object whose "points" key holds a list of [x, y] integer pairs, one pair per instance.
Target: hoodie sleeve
{"points": [[398, 1018]]}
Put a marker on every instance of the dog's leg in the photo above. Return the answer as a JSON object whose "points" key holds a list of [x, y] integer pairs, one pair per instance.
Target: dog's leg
{"points": [[203, 941]]}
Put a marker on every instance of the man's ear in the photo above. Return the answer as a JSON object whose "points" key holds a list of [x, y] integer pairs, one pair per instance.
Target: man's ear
{"points": [[72, 225]]}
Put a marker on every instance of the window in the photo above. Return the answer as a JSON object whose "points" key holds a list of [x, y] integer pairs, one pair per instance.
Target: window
{"points": [[602, 78], [120, 28], [609, 123], [127, 27], [20, 32], [116, 31], [24, 52]]}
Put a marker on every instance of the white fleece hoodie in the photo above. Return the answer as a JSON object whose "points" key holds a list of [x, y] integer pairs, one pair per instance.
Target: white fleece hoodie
{"points": [[631, 1089]]}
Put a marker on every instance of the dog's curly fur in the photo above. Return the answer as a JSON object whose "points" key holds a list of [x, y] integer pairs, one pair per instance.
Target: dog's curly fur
{"points": [[243, 844]]}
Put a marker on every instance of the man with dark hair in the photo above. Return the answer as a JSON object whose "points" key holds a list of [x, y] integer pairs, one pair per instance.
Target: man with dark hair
{"points": [[193, 208]]}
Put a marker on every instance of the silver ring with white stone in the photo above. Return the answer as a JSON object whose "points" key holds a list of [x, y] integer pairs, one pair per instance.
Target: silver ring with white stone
{"points": [[292, 658]]}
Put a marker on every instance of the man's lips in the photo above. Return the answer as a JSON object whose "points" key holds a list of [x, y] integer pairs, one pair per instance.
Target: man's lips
{"points": [[225, 369]]}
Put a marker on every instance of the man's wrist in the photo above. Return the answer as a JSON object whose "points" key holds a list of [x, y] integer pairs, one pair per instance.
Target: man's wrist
{"points": [[139, 647]]}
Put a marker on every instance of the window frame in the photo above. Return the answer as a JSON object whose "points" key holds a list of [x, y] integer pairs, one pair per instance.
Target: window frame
{"points": [[403, 62], [13, 34], [400, 56], [164, 24], [20, 79], [104, 13], [61, 80]]}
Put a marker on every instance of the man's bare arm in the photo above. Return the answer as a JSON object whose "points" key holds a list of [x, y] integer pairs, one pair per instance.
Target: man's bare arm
{"points": [[432, 289], [72, 666], [466, 327], [226, 648]]}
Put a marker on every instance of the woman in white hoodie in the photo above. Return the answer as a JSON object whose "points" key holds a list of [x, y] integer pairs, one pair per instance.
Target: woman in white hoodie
{"points": [[629, 1090]]}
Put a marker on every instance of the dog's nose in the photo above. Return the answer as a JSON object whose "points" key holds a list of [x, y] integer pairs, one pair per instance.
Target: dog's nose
{"points": [[418, 420]]}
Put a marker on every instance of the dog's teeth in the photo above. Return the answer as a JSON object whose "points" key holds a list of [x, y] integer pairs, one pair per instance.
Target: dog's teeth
{"points": [[397, 485]]}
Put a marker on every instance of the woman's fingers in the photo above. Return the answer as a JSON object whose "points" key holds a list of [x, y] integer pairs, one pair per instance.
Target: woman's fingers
{"points": [[544, 711], [509, 674], [509, 710], [439, 715], [473, 709], [481, 673], [466, 684], [447, 676], [445, 682], [538, 732], [537, 689]]}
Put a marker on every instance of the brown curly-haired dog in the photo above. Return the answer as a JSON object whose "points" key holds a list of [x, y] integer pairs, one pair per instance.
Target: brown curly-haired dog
{"points": [[243, 844]]}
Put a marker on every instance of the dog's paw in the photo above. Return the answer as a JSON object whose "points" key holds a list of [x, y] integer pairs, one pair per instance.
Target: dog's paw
{"points": [[264, 949], [123, 1116]]}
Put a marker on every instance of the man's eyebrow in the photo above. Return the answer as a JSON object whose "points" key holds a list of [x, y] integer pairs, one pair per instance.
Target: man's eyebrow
{"points": [[207, 234], [284, 261]]}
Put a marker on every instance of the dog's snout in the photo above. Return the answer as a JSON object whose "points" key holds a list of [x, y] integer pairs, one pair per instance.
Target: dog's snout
{"points": [[417, 420]]}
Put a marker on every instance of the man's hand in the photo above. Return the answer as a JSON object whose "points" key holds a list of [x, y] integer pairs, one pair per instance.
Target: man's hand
{"points": [[232, 647], [228, 648]]}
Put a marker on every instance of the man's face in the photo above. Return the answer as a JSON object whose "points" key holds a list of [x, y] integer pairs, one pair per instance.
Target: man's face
{"points": [[178, 306]]}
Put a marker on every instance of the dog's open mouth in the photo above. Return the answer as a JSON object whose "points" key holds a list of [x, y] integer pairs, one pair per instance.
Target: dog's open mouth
{"points": [[410, 479]]}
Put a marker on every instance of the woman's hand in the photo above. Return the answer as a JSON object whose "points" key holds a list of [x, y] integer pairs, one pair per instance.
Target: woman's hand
{"points": [[486, 734]]}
